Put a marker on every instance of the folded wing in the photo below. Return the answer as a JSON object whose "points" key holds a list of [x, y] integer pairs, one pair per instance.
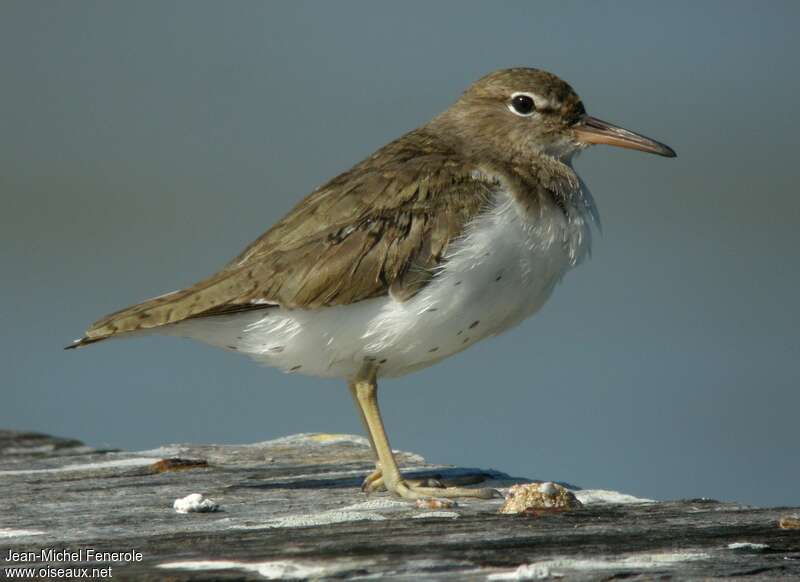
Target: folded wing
{"points": [[379, 228]]}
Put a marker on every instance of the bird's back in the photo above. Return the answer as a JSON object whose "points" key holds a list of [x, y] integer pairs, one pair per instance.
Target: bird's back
{"points": [[378, 227]]}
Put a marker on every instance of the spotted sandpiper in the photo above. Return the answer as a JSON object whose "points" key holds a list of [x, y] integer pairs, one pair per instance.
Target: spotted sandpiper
{"points": [[455, 232]]}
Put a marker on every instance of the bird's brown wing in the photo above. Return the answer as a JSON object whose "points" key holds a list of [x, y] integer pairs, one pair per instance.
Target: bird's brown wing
{"points": [[380, 228]]}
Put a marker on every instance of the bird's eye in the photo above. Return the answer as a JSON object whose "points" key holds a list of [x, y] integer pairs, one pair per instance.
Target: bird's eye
{"points": [[522, 104]]}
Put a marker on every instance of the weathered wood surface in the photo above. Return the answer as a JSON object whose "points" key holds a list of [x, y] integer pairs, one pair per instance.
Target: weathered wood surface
{"points": [[292, 508]]}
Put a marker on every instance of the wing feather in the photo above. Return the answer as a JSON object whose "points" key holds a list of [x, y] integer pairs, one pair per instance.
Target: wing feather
{"points": [[383, 226]]}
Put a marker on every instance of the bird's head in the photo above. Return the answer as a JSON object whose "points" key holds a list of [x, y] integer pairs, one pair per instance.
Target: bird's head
{"points": [[523, 111]]}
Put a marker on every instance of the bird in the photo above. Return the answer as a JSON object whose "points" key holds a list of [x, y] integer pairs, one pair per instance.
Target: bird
{"points": [[451, 234]]}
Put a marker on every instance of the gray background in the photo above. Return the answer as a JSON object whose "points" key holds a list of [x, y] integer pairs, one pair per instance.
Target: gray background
{"points": [[143, 144]]}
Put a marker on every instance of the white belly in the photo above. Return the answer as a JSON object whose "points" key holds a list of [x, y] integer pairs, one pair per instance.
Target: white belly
{"points": [[501, 272]]}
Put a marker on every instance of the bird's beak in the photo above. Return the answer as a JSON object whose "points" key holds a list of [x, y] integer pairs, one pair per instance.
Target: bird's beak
{"points": [[591, 130]]}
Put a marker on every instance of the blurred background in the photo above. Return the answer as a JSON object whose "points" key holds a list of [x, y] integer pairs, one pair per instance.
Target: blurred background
{"points": [[144, 144]]}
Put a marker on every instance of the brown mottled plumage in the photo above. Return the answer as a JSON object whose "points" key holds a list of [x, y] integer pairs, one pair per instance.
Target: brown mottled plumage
{"points": [[384, 225], [361, 235], [453, 233]]}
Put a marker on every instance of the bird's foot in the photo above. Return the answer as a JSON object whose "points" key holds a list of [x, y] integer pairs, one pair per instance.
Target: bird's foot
{"points": [[425, 487], [409, 490], [373, 483]]}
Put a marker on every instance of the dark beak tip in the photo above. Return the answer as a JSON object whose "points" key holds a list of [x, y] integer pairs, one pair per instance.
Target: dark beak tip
{"points": [[668, 152]]}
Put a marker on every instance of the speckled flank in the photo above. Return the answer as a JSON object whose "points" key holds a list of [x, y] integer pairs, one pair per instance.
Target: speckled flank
{"points": [[467, 294]]}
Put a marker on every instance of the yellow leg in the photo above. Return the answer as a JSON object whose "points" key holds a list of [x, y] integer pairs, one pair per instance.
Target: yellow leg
{"points": [[366, 396], [374, 481]]}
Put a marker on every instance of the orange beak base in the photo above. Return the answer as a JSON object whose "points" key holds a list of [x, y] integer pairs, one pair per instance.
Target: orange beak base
{"points": [[591, 130]]}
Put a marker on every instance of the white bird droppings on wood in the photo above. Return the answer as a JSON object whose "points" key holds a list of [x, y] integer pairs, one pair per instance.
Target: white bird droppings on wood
{"points": [[195, 503]]}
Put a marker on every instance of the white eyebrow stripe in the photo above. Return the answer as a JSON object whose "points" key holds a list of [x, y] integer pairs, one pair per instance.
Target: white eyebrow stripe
{"points": [[538, 101]]}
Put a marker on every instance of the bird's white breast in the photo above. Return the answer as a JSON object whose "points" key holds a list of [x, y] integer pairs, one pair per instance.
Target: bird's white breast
{"points": [[501, 271]]}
